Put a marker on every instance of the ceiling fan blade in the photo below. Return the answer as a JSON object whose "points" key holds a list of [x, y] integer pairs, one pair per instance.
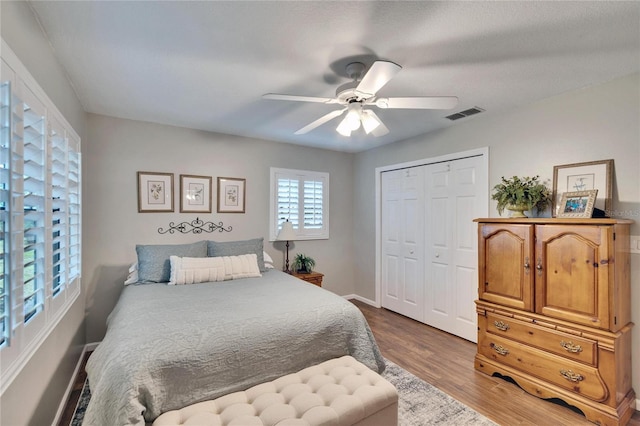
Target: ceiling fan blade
{"points": [[378, 75], [427, 102], [381, 129], [320, 121], [279, 97]]}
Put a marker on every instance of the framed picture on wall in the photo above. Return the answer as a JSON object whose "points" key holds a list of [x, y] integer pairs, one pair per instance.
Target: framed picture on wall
{"points": [[195, 194], [231, 195], [155, 192], [583, 177]]}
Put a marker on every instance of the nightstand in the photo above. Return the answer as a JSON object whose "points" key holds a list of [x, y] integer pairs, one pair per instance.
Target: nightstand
{"points": [[313, 277]]}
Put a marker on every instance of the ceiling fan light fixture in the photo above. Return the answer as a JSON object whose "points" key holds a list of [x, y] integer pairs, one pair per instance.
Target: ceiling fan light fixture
{"points": [[369, 122], [344, 128], [362, 92], [353, 116]]}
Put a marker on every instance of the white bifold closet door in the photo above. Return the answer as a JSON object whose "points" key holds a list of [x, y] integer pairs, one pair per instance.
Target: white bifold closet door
{"points": [[429, 242], [403, 241], [452, 193]]}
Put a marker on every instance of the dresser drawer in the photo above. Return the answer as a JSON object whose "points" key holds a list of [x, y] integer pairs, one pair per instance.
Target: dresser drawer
{"points": [[557, 342], [573, 376]]}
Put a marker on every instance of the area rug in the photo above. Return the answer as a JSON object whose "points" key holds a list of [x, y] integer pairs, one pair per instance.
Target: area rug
{"points": [[420, 403]]}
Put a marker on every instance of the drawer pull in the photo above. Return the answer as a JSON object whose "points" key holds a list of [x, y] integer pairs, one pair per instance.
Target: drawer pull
{"points": [[570, 347], [500, 349], [571, 376], [501, 325]]}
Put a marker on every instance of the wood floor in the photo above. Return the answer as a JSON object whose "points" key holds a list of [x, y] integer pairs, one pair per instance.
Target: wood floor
{"points": [[446, 361]]}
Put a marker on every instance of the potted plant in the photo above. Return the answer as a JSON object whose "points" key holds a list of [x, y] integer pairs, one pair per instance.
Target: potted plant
{"points": [[521, 194], [303, 264]]}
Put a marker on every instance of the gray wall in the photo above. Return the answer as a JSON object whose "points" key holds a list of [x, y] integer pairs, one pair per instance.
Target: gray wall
{"points": [[115, 149], [595, 123], [36, 393]]}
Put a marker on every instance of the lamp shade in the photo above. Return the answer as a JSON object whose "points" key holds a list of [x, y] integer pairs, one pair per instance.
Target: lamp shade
{"points": [[286, 233]]}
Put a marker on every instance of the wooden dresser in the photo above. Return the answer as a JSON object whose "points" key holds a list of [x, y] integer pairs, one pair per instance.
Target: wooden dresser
{"points": [[311, 277], [554, 311]]}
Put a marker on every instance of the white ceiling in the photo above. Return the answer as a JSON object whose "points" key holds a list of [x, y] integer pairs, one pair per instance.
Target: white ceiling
{"points": [[205, 65]]}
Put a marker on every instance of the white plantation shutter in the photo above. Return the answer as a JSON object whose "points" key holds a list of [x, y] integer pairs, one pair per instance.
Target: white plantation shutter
{"points": [[288, 194], [302, 198], [30, 155], [59, 209], [73, 206], [6, 127], [313, 195], [39, 216]]}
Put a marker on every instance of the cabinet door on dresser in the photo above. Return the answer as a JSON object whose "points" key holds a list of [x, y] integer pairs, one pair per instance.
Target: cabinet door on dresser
{"points": [[505, 264], [573, 272]]}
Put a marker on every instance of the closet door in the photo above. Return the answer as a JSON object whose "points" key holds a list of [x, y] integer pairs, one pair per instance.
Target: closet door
{"points": [[454, 193], [402, 241]]}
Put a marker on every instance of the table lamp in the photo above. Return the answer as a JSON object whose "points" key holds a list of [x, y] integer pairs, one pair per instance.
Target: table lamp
{"points": [[286, 234]]}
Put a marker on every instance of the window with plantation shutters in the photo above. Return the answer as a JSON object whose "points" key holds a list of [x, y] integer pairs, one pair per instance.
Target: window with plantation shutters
{"points": [[302, 198], [39, 216]]}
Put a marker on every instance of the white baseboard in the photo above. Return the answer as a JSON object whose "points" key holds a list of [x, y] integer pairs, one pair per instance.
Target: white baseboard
{"points": [[88, 347], [362, 299]]}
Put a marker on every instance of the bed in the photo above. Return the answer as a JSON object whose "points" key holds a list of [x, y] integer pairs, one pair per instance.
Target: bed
{"points": [[168, 346]]}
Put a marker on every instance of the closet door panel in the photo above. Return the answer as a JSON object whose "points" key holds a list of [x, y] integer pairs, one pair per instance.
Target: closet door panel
{"points": [[452, 198], [403, 242]]}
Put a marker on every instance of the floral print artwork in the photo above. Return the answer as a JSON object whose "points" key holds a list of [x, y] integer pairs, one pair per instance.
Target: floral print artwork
{"points": [[156, 192]]}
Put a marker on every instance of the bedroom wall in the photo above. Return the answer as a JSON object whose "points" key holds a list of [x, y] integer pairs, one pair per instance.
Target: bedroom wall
{"points": [[594, 123], [36, 393], [115, 149]]}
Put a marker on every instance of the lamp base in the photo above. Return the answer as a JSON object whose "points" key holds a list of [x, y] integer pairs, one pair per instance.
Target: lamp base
{"points": [[286, 269]]}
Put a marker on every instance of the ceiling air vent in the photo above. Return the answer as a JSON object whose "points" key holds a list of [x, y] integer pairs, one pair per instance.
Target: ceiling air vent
{"points": [[465, 113]]}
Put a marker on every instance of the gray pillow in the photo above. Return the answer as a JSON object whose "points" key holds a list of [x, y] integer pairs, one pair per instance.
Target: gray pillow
{"points": [[153, 260], [236, 248]]}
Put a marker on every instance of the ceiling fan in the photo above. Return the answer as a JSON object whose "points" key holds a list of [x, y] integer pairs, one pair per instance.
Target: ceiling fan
{"points": [[359, 94]]}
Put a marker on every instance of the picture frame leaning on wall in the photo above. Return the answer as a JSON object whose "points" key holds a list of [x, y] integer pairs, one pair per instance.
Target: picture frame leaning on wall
{"points": [[582, 177]]}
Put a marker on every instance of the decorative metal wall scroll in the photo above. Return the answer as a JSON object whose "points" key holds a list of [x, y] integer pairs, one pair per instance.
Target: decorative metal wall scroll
{"points": [[196, 226]]}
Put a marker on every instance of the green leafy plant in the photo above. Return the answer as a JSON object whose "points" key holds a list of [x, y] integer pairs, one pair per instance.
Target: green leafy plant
{"points": [[303, 263], [526, 191]]}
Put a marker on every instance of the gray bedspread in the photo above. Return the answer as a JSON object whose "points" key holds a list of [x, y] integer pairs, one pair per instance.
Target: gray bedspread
{"points": [[170, 346]]}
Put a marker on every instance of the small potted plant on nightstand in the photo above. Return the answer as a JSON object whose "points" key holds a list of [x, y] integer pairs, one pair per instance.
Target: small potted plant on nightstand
{"points": [[520, 194], [303, 264]]}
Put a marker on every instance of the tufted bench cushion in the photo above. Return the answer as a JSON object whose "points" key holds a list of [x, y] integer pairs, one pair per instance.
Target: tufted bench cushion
{"points": [[338, 392]]}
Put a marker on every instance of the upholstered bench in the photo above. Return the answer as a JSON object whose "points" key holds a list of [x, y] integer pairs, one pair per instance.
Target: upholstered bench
{"points": [[338, 392]]}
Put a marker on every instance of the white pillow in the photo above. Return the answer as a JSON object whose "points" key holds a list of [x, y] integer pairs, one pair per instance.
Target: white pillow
{"points": [[191, 270], [268, 261], [132, 278]]}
